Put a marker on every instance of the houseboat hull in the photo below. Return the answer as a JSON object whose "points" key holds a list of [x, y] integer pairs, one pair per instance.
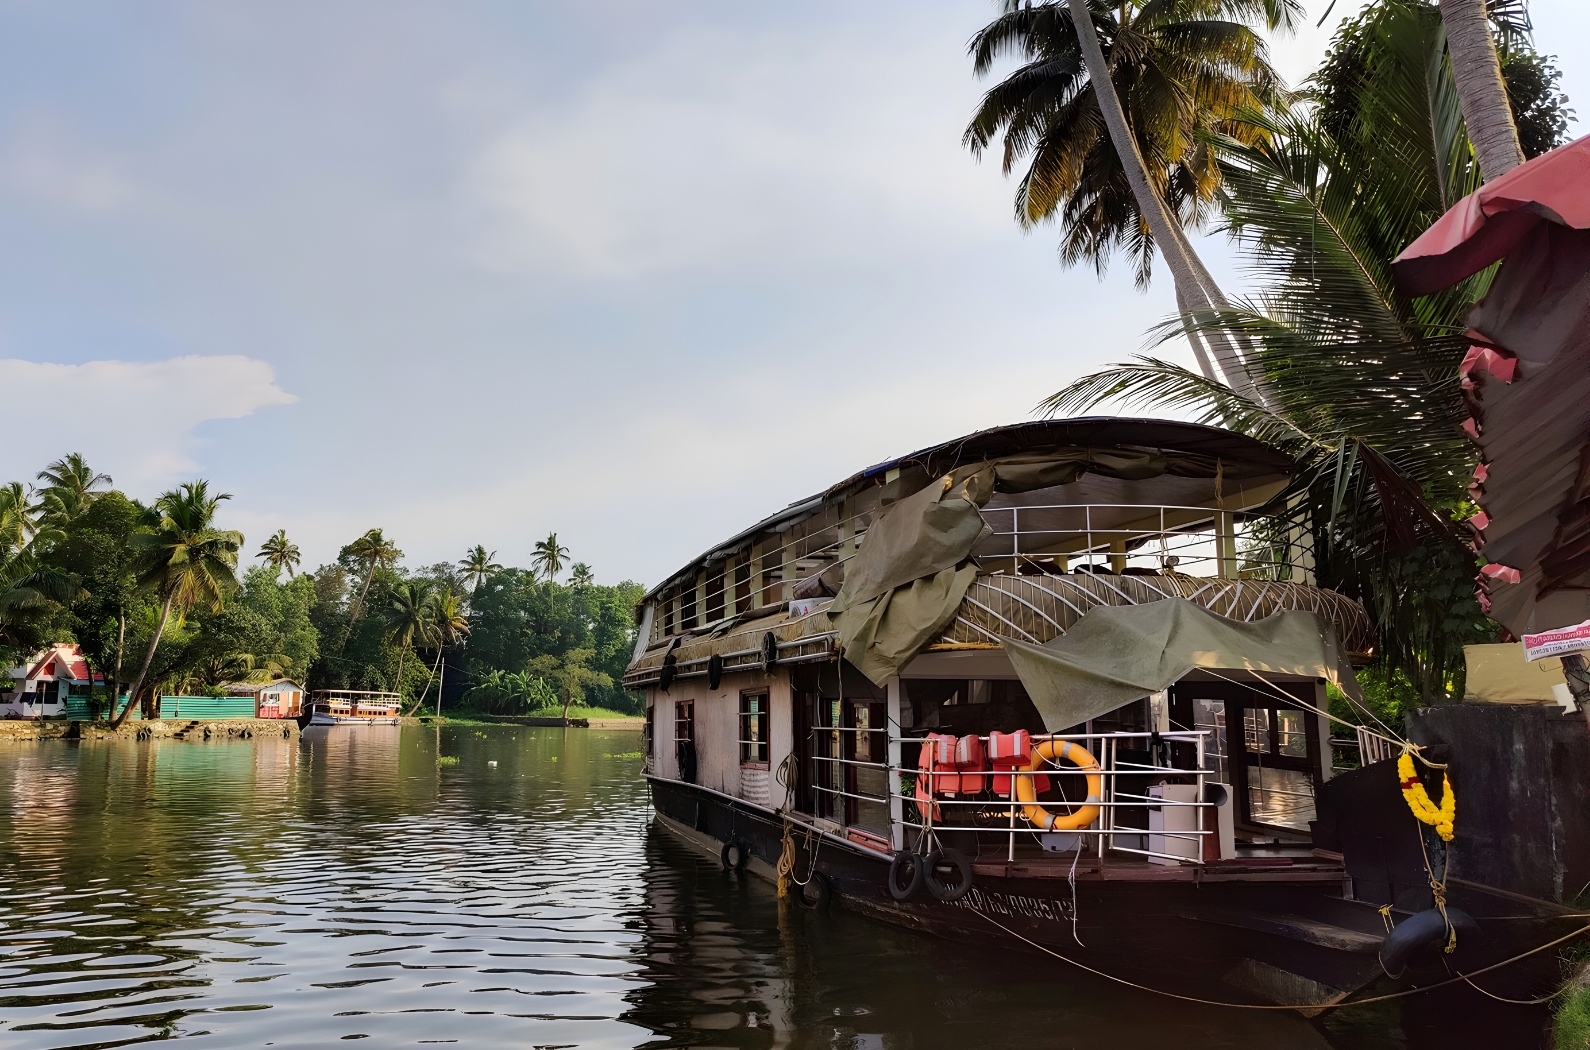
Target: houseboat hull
{"points": [[320, 718], [1279, 936]]}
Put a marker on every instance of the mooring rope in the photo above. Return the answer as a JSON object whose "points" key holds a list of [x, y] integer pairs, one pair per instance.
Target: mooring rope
{"points": [[1296, 1006]]}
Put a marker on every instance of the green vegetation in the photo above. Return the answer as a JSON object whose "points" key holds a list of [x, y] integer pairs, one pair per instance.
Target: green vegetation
{"points": [[1319, 189], [1571, 1024], [153, 596]]}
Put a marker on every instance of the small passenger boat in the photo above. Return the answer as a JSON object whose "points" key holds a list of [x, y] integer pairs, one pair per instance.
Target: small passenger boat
{"points": [[339, 707], [1057, 686]]}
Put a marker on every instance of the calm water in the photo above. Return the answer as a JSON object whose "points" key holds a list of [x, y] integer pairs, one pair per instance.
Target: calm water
{"points": [[350, 886]]}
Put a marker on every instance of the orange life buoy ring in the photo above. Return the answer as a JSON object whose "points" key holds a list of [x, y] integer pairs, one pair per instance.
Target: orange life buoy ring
{"points": [[1076, 754]]}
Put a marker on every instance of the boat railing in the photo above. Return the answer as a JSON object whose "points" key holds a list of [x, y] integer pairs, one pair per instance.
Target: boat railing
{"points": [[1129, 820], [1365, 747], [1123, 539]]}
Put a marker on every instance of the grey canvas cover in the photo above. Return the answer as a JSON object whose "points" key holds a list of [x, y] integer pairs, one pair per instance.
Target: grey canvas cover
{"points": [[1117, 654]]}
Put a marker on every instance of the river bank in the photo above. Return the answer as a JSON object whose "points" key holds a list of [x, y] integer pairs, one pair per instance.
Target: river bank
{"points": [[25, 730]]}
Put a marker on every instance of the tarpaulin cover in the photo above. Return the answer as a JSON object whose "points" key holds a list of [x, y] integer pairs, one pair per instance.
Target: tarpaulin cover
{"points": [[1117, 654], [904, 584], [883, 635], [1488, 223], [1530, 403]]}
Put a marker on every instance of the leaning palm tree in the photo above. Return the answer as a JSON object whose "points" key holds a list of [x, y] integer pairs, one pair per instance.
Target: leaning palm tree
{"points": [[1481, 91], [280, 552], [1114, 130], [409, 619], [478, 566], [1363, 379], [549, 556], [375, 551], [184, 561]]}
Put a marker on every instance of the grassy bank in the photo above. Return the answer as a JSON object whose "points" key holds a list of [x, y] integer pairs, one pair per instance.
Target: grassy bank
{"points": [[1571, 1025]]}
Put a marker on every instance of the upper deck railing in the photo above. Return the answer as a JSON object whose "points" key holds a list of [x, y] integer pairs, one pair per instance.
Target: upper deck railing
{"points": [[1124, 539]]}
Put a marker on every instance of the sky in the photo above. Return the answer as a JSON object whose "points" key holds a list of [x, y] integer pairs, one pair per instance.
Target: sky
{"points": [[475, 271]]}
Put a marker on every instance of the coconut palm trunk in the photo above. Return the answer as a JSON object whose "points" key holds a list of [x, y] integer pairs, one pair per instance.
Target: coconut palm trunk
{"points": [[149, 658], [1196, 290], [1482, 94]]}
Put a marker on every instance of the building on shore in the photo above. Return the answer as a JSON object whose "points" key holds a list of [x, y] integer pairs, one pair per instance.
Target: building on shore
{"points": [[41, 686]]}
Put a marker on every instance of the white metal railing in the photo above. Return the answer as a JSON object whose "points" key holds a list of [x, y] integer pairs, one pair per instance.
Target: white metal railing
{"points": [[989, 811], [1188, 540], [1120, 538]]}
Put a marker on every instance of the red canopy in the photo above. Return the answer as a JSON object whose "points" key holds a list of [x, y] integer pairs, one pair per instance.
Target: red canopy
{"points": [[1488, 223], [1526, 380]]}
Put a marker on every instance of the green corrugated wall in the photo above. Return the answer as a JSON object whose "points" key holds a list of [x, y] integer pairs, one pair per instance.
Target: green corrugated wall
{"points": [[206, 707], [78, 711]]}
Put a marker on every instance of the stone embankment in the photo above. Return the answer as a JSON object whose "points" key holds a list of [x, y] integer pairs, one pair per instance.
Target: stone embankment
{"points": [[155, 729]]}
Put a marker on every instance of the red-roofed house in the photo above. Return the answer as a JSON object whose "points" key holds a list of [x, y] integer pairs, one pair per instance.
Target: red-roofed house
{"points": [[39, 688]]}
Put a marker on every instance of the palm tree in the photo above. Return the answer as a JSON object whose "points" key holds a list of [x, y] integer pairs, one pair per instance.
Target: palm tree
{"points": [[1185, 73], [280, 552], [18, 517], [185, 561], [581, 574], [448, 624], [1363, 379], [28, 586], [478, 566], [1481, 91], [409, 619], [548, 558], [70, 488], [376, 551]]}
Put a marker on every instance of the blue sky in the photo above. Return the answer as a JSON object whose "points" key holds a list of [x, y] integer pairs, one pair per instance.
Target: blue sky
{"points": [[636, 272]]}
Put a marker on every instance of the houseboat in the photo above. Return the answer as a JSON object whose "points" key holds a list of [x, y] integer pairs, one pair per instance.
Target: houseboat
{"points": [[1059, 686], [338, 707]]}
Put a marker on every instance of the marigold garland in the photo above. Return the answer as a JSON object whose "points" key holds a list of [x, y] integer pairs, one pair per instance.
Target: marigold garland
{"points": [[1419, 800]]}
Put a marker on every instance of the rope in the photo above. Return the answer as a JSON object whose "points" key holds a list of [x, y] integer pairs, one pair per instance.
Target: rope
{"points": [[1293, 1006]]}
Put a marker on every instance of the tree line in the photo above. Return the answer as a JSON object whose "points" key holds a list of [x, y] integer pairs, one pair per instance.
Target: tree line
{"points": [[1131, 123], [155, 597]]}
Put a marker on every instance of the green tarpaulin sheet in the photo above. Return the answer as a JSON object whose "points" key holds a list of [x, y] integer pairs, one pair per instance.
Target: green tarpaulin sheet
{"points": [[1117, 654], [903, 587]]}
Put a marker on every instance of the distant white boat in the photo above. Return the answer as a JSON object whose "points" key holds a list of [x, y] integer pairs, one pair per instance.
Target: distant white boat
{"points": [[345, 707]]}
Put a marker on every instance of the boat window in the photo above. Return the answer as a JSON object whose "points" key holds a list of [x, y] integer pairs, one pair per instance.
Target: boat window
{"points": [[715, 594], [650, 729], [753, 729], [687, 615], [742, 583], [684, 721], [668, 615]]}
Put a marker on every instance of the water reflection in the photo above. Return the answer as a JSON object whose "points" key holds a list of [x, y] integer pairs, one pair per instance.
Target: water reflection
{"points": [[494, 887]]}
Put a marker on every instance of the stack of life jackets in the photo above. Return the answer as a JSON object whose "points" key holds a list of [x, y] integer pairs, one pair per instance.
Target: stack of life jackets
{"points": [[949, 766], [1012, 751]]}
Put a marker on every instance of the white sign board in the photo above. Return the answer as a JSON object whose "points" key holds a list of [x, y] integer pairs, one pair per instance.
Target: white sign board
{"points": [[1555, 643]]}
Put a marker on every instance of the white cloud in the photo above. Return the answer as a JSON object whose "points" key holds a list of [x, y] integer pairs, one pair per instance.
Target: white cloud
{"points": [[716, 150], [133, 419]]}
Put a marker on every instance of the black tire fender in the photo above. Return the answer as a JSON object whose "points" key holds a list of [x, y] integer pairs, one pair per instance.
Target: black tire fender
{"points": [[1421, 931], [733, 855], [818, 893], [910, 887], [955, 859]]}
